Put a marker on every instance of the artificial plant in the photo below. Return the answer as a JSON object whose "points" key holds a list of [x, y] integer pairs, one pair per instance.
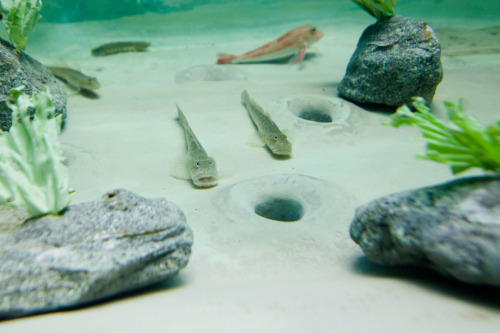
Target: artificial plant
{"points": [[380, 9], [462, 143], [32, 172], [20, 17]]}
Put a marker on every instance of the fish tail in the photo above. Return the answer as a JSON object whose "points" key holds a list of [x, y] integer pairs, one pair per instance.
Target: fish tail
{"points": [[245, 98], [181, 118], [225, 58]]}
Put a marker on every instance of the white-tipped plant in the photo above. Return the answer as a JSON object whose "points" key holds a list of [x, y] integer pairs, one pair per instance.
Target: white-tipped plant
{"points": [[32, 173], [20, 17]]}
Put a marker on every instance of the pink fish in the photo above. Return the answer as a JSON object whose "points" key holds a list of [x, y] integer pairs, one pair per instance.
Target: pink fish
{"points": [[294, 42]]}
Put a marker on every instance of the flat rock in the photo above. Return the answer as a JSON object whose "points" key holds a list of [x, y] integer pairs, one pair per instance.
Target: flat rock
{"points": [[453, 228], [19, 69], [395, 59], [94, 250]]}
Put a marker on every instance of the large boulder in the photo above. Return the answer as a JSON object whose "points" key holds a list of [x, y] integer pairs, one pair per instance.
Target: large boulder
{"points": [[19, 69], [92, 251], [453, 228], [396, 59]]}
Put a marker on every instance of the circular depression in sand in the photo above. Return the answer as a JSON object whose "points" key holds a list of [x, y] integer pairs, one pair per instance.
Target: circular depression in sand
{"points": [[317, 115], [280, 209], [207, 73], [281, 198]]}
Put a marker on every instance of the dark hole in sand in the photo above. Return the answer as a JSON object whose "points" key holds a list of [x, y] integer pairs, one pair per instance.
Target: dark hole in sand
{"points": [[316, 115], [280, 209]]}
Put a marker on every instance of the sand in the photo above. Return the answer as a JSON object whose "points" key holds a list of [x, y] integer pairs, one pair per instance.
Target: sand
{"points": [[247, 273]]}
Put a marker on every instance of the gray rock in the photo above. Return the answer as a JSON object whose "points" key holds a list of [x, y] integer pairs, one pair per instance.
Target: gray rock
{"points": [[94, 250], [396, 59], [453, 228], [17, 69]]}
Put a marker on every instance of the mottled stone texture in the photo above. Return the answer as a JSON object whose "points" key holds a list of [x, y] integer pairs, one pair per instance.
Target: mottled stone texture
{"points": [[453, 228], [94, 250], [18, 69], [396, 59]]}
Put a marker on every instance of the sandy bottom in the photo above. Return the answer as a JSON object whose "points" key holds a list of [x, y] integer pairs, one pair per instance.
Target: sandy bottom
{"points": [[248, 273]]}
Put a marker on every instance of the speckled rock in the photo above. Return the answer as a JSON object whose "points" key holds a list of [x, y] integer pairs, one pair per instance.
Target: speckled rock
{"points": [[453, 228], [93, 251], [396, 59], [18, 69]]}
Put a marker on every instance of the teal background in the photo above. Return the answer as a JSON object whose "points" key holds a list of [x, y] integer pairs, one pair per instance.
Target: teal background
{"points": [[79, 10]]}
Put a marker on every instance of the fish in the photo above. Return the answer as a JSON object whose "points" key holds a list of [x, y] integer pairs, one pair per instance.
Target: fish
{"points": [[118, 47], [293, 43], [200, 166], [273, 137], [74, 79]]}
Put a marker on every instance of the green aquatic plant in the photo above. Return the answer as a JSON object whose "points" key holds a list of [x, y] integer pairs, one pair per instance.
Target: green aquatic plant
{"points": [[32, 173], [380, 9], [462, 143], [20, 17]]}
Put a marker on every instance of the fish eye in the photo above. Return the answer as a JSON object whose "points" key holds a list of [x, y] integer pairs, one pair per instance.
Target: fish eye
{"points": [[313, 30]]}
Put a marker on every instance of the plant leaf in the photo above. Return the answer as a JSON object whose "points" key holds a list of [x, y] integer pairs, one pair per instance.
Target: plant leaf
{"points": [[380, 9], [462, 143], [20, 17], [32, 172]]}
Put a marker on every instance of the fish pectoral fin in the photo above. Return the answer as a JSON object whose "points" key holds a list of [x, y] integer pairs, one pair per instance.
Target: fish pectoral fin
{"points": [[179, 169], [70, 85], [288, 136], [300, 56], [256, 140]]}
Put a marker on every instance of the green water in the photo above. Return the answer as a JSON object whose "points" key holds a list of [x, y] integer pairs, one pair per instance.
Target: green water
{"points": [[72, 11], [68, 25], [229, 12]]}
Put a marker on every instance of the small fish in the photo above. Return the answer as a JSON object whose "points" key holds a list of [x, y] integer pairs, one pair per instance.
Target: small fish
{"points": [[74, 79], [293, 43], [274, 139], [200, 166], [118, 47]]}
